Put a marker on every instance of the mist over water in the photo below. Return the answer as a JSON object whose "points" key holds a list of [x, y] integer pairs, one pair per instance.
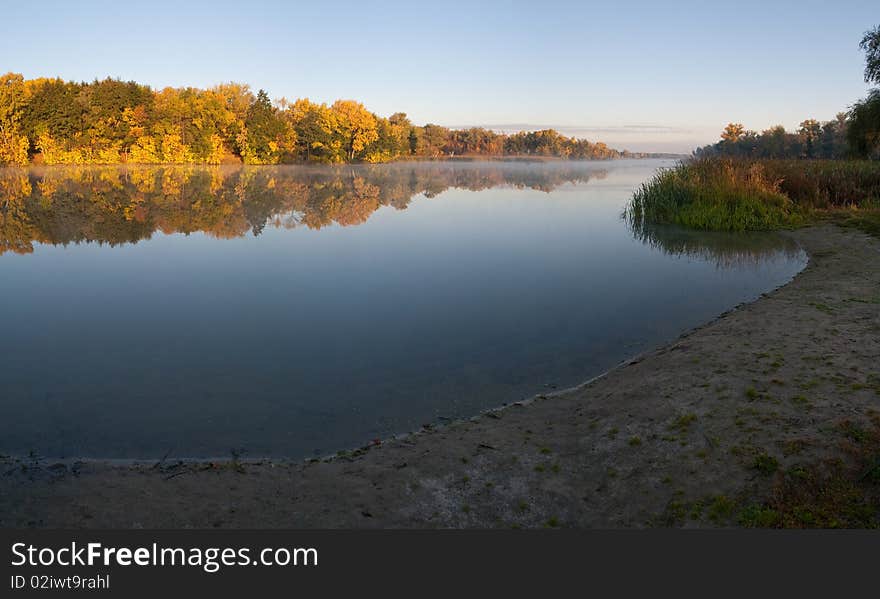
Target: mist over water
{"points": [[294, 311]]}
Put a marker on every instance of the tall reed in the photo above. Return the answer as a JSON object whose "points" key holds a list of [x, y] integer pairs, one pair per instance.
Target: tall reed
{"points": [[747, 194]]}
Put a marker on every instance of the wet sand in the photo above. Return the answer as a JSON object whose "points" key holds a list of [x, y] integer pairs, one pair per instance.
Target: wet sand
{"points": [[672, 429]]}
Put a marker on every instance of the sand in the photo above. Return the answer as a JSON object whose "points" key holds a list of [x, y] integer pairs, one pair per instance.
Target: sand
{"points": [[646, 444]]}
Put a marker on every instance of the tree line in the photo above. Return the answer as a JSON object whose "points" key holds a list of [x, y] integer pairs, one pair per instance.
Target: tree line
{"points": [[851, 134], [813, 139], [52, 121]]}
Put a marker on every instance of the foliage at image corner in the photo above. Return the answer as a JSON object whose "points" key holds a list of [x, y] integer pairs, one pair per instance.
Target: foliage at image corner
{"points": [[776, 179]]}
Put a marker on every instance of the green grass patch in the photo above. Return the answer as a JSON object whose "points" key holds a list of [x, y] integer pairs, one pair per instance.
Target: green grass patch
{"points": [[727, 194], [832, 493], [822, 307], [683, 423], [721, 509], [765, 464], [714, 195], [867, 220], [758, 516]]}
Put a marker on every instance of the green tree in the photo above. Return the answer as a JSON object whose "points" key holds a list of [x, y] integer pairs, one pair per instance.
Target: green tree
{"points": [[809, 132], [871, 45], [53, 110], [863, 135], [266, 136]]}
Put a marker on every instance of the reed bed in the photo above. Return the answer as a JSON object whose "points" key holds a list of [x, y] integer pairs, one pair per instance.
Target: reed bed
{"points": [[722, 194]]}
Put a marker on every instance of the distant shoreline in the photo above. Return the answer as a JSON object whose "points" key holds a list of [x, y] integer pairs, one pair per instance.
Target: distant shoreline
{"points": [[698, 433], [414, 159]]}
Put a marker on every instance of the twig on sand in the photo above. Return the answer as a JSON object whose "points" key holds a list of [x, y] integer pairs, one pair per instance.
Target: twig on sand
{"points": [[162, 461]]}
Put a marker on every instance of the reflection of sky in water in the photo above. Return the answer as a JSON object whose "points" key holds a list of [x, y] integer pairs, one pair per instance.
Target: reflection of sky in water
{"points": [[302, 341]]}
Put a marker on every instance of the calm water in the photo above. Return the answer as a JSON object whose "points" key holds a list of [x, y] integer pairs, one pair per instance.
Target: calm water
{"points": [[298, 310]]}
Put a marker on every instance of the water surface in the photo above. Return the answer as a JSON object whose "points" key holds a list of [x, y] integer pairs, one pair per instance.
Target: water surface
{"points": [[298, 310]]}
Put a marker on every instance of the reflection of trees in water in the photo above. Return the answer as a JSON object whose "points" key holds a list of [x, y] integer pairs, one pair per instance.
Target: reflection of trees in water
{"points": [[725, 250], [117, 205]]}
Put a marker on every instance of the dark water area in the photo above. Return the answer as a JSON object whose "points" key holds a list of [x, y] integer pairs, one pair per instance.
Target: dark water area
{"points": [[294, 311]]}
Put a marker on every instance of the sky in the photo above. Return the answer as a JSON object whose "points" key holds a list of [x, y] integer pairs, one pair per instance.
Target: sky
{"points": [[646, 76]]}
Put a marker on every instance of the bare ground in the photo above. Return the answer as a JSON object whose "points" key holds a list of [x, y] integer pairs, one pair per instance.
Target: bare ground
{"points": [[686, 435]]}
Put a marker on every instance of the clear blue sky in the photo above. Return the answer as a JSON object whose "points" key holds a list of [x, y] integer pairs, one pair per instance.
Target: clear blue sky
{"points": [[644, 75]]}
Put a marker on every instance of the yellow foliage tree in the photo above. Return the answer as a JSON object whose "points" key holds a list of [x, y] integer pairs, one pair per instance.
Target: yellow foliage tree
{"points": [[145, 151], [732, 132], [174, 151], [13, 145], [355, 126]]}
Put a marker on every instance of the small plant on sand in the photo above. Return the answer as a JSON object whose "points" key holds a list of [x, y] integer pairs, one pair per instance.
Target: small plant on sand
{"points": [[832, 493], [822, 307], [758, 516], [721, 509], [765, 464], [683, 423]]}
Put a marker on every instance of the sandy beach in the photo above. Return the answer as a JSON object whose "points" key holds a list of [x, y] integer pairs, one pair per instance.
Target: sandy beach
{"points": [[692, 434]]}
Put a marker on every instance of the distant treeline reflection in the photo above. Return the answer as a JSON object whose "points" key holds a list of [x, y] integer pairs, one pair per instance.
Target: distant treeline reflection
{"points": [[116, 205], [725, 250]]}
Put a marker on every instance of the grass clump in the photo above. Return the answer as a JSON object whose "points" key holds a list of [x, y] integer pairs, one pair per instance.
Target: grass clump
{"points": [[828, 184], [759, 516], [832, 493], [741, 194], [765, 464], [683, 423], [721, 509], [865, 220], [715, 195]]}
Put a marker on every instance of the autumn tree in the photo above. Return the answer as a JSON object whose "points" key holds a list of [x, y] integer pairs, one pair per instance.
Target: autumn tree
{"points": [[431, 140], [313, 125], [355, 126], [13, 143], [732, 132]]}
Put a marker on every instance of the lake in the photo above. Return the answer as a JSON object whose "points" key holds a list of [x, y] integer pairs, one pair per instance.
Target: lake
{"points": [[297, 310]]}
